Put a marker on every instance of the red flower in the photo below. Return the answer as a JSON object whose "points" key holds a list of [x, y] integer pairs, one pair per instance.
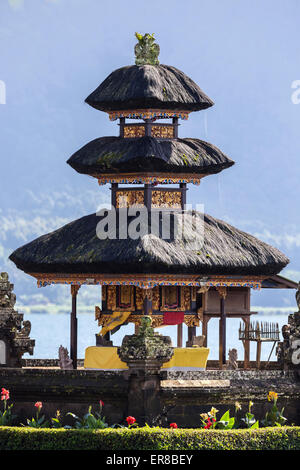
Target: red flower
{"points": [[208, 424], [4, 394], [130, 420], [173, 425], [101, 403], [38, 405]]}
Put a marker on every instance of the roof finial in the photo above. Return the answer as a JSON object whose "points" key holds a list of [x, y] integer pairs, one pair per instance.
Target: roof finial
{"points": [[146, 51]]}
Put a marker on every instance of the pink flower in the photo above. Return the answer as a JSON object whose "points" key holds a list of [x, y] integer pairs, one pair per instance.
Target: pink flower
{"points": [[38, 405], [173, 425], [101, 403], [130, 420], [4, 394]]}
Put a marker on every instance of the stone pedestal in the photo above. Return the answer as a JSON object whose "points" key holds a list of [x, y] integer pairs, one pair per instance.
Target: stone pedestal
{"points": [[144, 354]]}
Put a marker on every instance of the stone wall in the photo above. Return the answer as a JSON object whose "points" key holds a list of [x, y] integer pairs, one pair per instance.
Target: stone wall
{"points": [[184, 395], [187, 394]]}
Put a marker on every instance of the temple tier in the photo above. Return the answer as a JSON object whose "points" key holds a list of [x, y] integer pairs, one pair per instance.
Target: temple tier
{"points": [[205, 274]]}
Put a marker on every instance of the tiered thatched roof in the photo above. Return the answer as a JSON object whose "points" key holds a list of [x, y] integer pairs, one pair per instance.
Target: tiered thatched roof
{"points": [[148, 86], [75, 248], [117, 155]]}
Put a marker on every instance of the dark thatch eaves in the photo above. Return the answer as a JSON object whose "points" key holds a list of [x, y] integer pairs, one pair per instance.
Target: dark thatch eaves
{"points": [[75, 248], [118, 155], [148, 87]]}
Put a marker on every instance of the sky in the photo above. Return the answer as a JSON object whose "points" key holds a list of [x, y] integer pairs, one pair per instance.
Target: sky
{"points": [[243, 54]]}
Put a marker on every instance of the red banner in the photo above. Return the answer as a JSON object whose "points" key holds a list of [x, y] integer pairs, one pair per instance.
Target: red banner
{"points": [[173, 318]]}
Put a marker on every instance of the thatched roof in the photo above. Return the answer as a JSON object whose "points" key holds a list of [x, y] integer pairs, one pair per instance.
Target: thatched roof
{"points": [[148, 87], [118, 155], [75, 248]]}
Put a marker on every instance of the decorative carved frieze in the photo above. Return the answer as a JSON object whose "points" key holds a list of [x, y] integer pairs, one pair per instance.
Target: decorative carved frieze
{"points": [[111, 298], [129, 198], [166, 199]]}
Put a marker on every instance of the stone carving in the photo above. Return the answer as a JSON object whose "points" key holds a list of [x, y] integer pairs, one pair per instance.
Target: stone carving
{"points": [[288, 350], [25, 331], [65, 362], [14, 332], [298, 296], [198, 341], [146, 50], [146, 345], [232, 363]]}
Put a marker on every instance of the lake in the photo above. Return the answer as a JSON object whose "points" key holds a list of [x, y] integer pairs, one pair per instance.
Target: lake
{"points": [[52, 330]]}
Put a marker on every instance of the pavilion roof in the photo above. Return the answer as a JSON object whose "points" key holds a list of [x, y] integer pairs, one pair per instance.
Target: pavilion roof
{"points": [[75, 248], [148, 87], [107, 155]]}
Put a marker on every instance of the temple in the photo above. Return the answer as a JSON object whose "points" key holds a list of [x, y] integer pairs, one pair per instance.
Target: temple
{"points": [[207, 272]]}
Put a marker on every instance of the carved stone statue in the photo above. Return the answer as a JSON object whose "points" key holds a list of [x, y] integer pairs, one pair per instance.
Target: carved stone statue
{"points": [[197, 341], [14, 332], [65, 362], [232, 359], [287, 349], [298, 296], [146, 50], [25, 331]]}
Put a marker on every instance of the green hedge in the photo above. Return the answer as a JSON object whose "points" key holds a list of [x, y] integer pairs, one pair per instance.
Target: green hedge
{"points": [[284, 438]]}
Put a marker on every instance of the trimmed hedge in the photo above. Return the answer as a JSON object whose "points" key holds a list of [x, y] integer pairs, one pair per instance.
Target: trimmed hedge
{"points": [[283, 438]]}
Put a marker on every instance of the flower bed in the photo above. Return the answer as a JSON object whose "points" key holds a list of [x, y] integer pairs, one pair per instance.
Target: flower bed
{"points": [[145, 438]]}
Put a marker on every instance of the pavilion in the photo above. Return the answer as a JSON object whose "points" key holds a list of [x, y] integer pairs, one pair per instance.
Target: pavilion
{"points": [[149, 165]]}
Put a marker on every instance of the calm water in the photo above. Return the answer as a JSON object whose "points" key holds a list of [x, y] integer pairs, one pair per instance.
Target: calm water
{"points": [[50, 331]]}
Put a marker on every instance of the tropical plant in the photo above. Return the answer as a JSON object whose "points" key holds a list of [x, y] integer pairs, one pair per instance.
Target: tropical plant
{"points": [[249, 420], [90, 420], [274, 417], [37, 422], [6, 416], [56, 421], [225, 422]]}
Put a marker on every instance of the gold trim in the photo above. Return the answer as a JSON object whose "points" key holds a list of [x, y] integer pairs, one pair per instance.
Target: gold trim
{"points": [[147, 114], [146, 281], [147, 178]]}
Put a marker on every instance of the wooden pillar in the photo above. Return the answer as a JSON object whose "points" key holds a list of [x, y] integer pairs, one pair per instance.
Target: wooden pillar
{"points": [[175, 124], [114, 187], [258, 354], [148, 196], [246, 344], [122, 123], [148, 302], [73, 326], [183, 195], [191, 333], [204, 329], [222, 328], [179, 335]]}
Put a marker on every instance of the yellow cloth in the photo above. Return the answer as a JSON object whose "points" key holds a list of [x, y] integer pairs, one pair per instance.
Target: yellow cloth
{"points": [[188, 357], [97, 357], [117, 318]]}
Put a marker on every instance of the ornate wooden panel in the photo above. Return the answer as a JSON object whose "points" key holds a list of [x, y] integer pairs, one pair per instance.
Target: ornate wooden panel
{"points": [[125, 298], [163, 132], [166, 199], [129, 198], [134, 131], [186, 298], [111, 298]]}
